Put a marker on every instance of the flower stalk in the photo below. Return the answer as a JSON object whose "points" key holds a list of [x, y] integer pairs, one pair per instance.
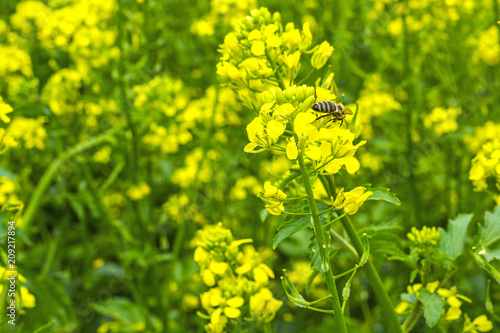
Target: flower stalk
{"points": [[391, 319], [320, 236]]}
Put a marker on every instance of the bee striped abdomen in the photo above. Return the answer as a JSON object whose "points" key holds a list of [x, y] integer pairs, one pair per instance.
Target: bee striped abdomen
{"points": [[325, 106]]}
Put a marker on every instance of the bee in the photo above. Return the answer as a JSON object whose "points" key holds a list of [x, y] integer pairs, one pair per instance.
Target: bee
{"points": [[337, 111]]}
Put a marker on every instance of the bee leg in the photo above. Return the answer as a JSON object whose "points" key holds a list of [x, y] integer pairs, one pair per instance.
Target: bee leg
{"points": [[326, 115]]}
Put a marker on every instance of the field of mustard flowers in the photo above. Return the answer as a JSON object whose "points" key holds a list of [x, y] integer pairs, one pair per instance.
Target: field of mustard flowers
{"points": [[165, 166]]}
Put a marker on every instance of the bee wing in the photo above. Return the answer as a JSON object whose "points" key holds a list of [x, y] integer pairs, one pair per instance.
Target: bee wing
{"points": [[348, 111]]}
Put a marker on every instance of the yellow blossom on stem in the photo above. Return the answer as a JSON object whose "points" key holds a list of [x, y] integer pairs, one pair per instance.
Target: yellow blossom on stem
{"points": [[4, 109], [480, 324], [352, 200], [274, 198], [321, 55], [442, 120]]}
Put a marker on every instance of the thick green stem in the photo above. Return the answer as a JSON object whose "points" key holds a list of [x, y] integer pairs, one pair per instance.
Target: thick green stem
{"points": [[54, 168], [391, 321], [320, 236]]}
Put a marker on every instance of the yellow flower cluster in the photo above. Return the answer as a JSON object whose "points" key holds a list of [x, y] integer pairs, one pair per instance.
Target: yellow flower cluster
{"points": [[161, 93], [442, 120], [62, 92], [450, 297], [27, 130], [331, 147], [30, 16], [219, 107], [197, 169], [421, 18], [243, 186], [482, 134], [7, 191], [260, 53], [425, 238], [352, 200], [167, 140], [180, 209], [486, 164], [82, 28], [167, 96], [139, 191], [14, 61], [228, 12], [27, 299], [373, 101], [488, 47], [114, 202], [236, 278]]}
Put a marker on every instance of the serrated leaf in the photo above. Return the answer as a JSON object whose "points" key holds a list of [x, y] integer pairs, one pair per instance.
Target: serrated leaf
{"points": [[433, 306], [452, 241], [289, 228], [492, 254], [490, 232], [384, 194]]}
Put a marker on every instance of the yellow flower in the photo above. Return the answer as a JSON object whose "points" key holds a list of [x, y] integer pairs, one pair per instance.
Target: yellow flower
{"points": [[321, 55], [425, 238], [480, 324], [352, 200], [30, 130], [4, 109], [488, 48], [102, 155], [274, 198], [442, 120], [139, 191], [486, 164], [263, 306]]}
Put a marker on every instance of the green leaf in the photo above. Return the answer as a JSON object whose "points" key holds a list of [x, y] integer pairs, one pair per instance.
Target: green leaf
{"points": [[385, 230], [120, 309], [452, 241], [264, 215], [7, 174], [289, 228], [433, 306], [384, 194], [481, 262], [490, 232], [492, 254]]}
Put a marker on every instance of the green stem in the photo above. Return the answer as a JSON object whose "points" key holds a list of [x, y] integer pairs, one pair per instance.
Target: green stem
{"points": [[408, 86], [276, 70], [412, 318], [391, 321], [344, 243], [320, 236], [334, 220], [54, 168]]}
